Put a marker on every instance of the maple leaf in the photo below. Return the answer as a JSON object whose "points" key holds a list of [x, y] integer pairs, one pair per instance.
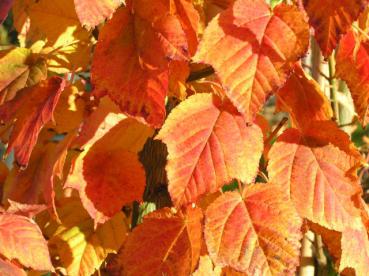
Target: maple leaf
{"points": [[165, 243], [258, 234], [260, 47], [313, 171], [31, 108], [123, 180], [16, 234], [92, 13], [82, 249], [209, 144], [9, 269], [352, 67], [302, 98], [331, 19], [139, 91]]}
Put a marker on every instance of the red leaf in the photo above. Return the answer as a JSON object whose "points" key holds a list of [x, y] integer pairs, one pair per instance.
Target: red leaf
{"points": [[209, 144], [353, 67], [259, 48], [5, 6], [123, 178], [21, 239], [331, 19], [132, 57], [164, 244], [258, 234], [32, 108]]}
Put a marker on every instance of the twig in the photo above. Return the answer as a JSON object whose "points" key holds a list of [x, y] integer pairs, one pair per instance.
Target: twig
{"points": [[333, 88], [276, 130], [208, 71], [320, 72]]}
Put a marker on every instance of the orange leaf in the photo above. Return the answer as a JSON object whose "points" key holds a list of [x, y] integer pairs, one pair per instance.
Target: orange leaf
{"points": [[18, 233], [207, 268], [164, 244], [302, 98], [28, 210], [331, 19], [123, 177], [259, 48], [143, 38], [10, 269], [353, 67], [209, 144], [355, 250], [313, 173], [31, 108], [92, 13], [258, 234]]}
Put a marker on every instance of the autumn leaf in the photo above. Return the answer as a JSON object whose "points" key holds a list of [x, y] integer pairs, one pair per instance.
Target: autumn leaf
{"points": [[9, 269], [331, 19], [302, 98], [141, 90], [123, 180], [20, 68], [31, 109], [27, 210], [82, 249], [258, 234], [67, 42], [206, 267], [16, 234], [313, 172], [209, 144], [5, 6], [92, 13], [165, 243], [352, 66], [260, 47]]}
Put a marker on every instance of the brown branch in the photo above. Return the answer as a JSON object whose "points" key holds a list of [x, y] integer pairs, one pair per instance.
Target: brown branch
{"points": [[203, 73]]}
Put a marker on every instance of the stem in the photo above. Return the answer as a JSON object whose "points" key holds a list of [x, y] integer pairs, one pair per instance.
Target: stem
{"points": [[135, 214], [333, 88], [307, 267], [276, 130], [203, 73]]}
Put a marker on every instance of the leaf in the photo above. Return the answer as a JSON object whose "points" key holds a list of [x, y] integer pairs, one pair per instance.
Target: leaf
{"points": [[68, 44], [258, 234], [302, 98], [82, 249], [141, 90], [5, 6], [31, 108], [28, 210], [19, 68], [209, 144], [92, 13], [352, 65], [260, 47], [123, 180], [314, 172], [355, 250], [165, 243], [9, 269], [206, 267], [18, 233], [331, 19]]}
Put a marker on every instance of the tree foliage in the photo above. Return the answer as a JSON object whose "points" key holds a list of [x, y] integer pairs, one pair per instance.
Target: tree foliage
{"points": [[136, 140]]}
